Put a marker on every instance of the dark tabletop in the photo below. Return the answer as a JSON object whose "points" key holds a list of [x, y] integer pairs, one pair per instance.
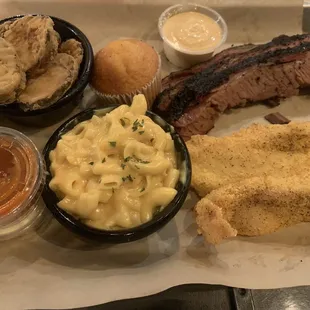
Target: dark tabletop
{"points": [[207, 297]]}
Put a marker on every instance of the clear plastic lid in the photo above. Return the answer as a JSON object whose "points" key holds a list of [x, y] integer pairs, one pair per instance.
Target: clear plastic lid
{"points": [[22, 175], [192, 7]]}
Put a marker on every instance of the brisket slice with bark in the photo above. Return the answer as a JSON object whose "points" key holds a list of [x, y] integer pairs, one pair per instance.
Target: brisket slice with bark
{"points": [[277, 69], [175, 77], [173, 100]]}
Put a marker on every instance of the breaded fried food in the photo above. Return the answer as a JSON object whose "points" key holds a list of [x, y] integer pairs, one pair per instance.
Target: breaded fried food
{"points": [[51, 50], [47, 88], [259, 150], [73, 48], [30, 36], [12, 78], [254, 207], [5, 26]]}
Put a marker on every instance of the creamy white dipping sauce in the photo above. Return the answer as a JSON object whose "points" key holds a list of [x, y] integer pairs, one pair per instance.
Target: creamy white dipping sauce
{"points": [[192, 31]]}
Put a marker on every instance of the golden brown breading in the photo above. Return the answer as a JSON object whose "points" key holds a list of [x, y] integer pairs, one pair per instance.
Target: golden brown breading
{"points": [[12, 78], [259, 150], [254, 207], [29, 35], [73, 48], [47, 88], [51, 49]]}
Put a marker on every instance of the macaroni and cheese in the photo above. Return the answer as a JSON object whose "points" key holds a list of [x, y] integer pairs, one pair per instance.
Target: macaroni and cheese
{"points": [[115, 171]]}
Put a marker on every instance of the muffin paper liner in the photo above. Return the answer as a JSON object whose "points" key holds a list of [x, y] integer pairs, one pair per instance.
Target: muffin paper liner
{"points": [[150, 91]]}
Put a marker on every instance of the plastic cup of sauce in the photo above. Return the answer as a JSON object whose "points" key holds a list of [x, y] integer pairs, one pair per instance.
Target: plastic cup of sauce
{"points": [[191, 33], [22, 176]]}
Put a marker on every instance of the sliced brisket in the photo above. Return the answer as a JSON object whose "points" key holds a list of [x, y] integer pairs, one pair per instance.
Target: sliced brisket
{"points": [[277, 69], [178, 76], [176, 81]]}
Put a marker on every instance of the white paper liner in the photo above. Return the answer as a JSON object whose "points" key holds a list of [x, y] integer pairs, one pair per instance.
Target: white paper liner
{"points": [[150, 91]]}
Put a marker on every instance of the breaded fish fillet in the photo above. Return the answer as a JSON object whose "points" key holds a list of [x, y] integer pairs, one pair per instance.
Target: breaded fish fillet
{"points": [[254, 207], [259, 150]]}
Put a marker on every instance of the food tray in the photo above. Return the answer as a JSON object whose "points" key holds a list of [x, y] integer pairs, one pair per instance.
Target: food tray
{"points": [[54, 269]]}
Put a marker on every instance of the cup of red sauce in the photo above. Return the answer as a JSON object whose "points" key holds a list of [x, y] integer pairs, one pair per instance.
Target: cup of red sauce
{"points": [[22, 176]]}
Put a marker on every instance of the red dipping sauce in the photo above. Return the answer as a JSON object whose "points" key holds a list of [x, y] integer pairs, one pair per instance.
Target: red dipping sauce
{"points": [[21, 181]]}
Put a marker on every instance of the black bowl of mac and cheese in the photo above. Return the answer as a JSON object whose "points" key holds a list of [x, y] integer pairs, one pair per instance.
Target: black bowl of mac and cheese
{"points": [[116, 174]]}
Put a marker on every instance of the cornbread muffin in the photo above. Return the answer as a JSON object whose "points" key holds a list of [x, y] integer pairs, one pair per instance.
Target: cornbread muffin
{"points": [[124, 68]]}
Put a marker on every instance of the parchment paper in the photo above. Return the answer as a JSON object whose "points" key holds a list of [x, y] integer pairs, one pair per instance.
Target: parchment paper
{"points": [[52, 268]]}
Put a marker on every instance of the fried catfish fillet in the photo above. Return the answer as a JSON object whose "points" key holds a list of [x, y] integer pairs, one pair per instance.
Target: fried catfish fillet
{"points": [[12, 78], [73, 48], [30, 36], [254, 151], [254, 207], [46, 89]]}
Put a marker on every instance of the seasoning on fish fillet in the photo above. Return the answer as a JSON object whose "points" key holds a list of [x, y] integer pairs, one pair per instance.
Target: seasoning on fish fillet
{"points": [[51, 85], [259, 150], [254, 206], [12, 78]]}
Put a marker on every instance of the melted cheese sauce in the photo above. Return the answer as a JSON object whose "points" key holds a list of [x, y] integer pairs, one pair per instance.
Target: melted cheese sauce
{"points": [[192, 31]]}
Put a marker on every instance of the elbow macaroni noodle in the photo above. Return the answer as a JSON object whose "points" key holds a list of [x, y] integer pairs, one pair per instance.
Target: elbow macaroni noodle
{"points": [[114, 171]]}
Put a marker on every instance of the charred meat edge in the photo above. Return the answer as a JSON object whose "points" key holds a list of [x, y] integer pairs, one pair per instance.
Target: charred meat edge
{"points": [[178, 76], [202, 83]]}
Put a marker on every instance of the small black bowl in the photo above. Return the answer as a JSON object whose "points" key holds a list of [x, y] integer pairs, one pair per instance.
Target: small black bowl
{"points": [[126, 235], [65, 105]]}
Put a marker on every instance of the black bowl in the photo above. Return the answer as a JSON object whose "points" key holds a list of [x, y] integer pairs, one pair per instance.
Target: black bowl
{"points": [[65, 105], [126, 235]]}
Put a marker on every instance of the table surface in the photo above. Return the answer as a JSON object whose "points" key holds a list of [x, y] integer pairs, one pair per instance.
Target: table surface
{"points": [[193, 296], [205, 297]]}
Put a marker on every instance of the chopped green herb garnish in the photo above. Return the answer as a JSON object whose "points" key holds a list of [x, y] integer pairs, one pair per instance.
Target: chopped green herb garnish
{"points": [[137, 124], [142, 189], [136, 159], [127, 159], [141, 132], [103, 161], [140, 160], [112, 143], [91, 163], [129, 178], [123, 166]]}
